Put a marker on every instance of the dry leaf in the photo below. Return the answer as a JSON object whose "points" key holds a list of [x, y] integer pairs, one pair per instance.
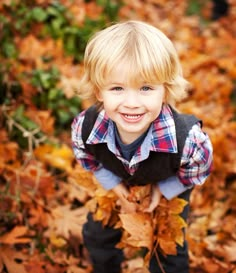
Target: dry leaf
{"points": [[66, 222], [58, 157], [18, 235], [13, 260], [139, 227]]}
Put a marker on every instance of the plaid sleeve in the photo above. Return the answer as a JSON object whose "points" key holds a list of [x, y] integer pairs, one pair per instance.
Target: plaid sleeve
{"points": [[196, 161], [86, 160]]}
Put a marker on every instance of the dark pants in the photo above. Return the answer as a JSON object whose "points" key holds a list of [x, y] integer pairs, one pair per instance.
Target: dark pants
{"points": [[100, 242]]}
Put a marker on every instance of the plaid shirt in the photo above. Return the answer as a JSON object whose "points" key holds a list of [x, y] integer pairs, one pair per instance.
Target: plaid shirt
{"points": [[196, 158]]}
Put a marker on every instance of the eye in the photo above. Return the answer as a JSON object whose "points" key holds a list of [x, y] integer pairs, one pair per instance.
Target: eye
{"points": [[116, 88], [145, 88]]}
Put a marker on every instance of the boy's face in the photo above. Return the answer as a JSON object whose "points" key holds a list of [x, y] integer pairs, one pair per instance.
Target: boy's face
{"points": [[133, 107]]}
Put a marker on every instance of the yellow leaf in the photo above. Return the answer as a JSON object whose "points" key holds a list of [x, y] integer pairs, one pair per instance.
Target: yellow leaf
{"points": [[57, 240], [58, 157], [176, 205]]}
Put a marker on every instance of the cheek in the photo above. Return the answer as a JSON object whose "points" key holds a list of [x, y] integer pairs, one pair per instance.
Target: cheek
{"points": [[155, 105]]}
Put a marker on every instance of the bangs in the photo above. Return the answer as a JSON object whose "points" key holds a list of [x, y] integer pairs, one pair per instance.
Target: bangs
{"points": [[147, 60]]}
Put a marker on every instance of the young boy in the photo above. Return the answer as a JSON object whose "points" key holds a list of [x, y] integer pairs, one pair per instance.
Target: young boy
{"points": [[133, 135]]}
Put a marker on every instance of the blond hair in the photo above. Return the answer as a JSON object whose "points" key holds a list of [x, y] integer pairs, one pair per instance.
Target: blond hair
{"points": [[148, 52]]}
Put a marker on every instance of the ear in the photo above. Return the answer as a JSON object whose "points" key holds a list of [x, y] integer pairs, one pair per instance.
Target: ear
{"points": [[98, 95]]}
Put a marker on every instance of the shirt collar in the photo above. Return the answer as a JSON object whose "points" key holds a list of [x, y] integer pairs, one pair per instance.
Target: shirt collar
{"points": [[161, 136]]}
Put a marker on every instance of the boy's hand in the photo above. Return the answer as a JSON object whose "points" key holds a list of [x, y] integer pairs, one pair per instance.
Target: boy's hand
{"points": [[122, 192], [155, 199]]}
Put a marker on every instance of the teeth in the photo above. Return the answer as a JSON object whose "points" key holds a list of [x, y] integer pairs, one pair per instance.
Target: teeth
{"points": [[132, 116]]}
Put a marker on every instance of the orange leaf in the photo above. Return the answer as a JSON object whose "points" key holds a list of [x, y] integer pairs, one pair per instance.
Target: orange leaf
{"points": [[139, 227], [167, 246], [15, 236], [12, 260]]}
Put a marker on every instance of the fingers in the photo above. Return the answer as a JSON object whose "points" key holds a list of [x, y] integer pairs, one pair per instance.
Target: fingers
{"points": [[155, 199]]}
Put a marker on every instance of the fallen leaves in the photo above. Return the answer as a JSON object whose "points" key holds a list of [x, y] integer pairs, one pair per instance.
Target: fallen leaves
{"points": [[45, 196]]}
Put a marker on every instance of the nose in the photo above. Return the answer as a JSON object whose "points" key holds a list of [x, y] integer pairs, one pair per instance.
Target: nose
{"points": [[131, 99]]}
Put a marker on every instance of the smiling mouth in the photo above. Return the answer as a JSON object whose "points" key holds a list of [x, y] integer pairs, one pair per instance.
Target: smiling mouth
{"points": [[128, 117]]}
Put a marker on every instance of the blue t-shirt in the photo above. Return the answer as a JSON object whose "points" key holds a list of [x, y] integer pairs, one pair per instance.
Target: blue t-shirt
{"points": [[128, 150]]}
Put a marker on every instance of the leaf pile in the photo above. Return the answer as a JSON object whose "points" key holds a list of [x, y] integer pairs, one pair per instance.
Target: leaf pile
{"points": [[45, 195]]}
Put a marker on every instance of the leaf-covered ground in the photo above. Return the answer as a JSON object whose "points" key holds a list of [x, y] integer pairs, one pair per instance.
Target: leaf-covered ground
{"points": [[45, 195]]}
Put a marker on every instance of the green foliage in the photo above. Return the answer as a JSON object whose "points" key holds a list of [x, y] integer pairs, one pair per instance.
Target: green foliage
{"points": [[53, 98], [194, 7]]}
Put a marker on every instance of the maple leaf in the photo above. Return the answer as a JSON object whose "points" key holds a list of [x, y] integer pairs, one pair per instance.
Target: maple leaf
{"points": [[139, 228], [168, 225], [38, 216], [106, 202], [18, 235], [65, 222]]}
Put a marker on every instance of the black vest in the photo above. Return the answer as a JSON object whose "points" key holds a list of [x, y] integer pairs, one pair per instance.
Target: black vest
{"points": [[158, 166]]}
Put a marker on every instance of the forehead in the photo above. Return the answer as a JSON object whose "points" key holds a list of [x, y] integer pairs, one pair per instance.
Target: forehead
{"points": [[126, 72], [121, 74]]}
